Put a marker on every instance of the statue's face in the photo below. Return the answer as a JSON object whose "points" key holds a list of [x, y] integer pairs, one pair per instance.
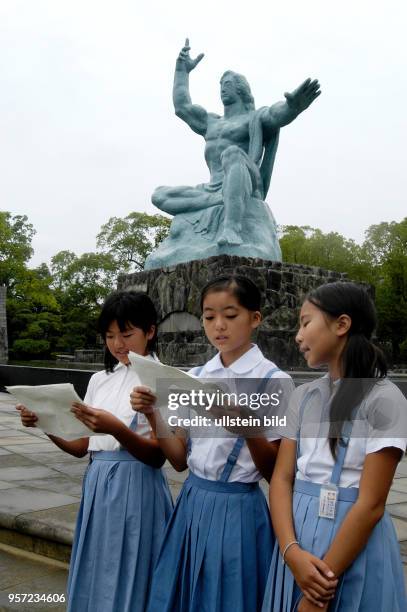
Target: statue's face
{"points": [[228, 90]]}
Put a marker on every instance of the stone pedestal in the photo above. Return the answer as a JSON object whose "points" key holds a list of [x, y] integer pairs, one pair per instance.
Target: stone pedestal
{"points": [[175, 292], [3, 326]]}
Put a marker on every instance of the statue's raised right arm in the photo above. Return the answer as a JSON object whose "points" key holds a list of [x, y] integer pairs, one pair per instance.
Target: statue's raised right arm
{"points": [[195, 116]]}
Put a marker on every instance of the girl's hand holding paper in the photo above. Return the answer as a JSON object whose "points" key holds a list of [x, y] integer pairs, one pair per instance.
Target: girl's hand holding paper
{"points": [[99, 421], [143, 400], [28, 419]]}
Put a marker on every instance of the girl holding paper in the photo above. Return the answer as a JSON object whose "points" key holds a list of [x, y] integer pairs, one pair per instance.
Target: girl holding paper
{"points": [[126, 501], [217, 548]]}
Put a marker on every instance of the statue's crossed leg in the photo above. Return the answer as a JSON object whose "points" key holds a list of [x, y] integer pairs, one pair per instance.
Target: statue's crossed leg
{"points": [[241, 180]]}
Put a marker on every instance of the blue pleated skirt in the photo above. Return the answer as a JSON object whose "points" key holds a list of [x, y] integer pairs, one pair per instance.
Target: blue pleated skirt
{"points": [[121, 521], [216, 551], [374, 581]]}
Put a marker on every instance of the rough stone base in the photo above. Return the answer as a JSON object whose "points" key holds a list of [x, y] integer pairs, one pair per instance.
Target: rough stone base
{"points": [[175, 292]]}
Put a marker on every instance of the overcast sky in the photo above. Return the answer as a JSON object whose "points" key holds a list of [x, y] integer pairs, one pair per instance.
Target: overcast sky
{"points": [[87, 128]]}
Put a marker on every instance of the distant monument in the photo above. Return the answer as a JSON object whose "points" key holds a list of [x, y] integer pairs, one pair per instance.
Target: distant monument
{"points": [[228, 215], [3, 325]]}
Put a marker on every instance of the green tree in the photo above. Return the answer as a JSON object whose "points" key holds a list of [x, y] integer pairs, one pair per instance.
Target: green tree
{"points": [[60, 269], [81, 284], [87, 278], [293, 243], [16, 234], [34, 320], [131, 239], [381, 261], [386, 240], [57, 310], [332, 251], [387, 245]]}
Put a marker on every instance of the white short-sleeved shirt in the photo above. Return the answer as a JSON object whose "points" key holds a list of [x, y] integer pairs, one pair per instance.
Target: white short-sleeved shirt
{"points": [[208, 455], [111, 391], [381, 422]]}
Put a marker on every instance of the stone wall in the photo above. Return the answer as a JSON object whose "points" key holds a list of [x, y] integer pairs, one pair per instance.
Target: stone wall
{"points": [[3, 326], [175, 292]]}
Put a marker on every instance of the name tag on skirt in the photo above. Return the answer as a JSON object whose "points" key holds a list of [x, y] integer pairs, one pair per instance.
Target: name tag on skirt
{"points": [[328, 498]]}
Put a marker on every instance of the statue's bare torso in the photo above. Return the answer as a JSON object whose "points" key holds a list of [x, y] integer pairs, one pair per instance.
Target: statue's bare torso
{"points": [[222, 133]]}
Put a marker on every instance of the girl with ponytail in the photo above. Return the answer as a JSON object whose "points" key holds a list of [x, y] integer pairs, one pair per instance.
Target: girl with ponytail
{"points": [[337, 548]]}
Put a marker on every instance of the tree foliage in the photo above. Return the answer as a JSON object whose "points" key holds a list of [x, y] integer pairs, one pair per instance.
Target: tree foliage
{"points": [[332, 251], [81, 284], [386, 244], [16, 234], [86, 279], [381, 261], [55, 309], [33, 312], [131, 239]]}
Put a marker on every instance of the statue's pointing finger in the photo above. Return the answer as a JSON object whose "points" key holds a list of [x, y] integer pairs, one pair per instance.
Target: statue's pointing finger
{"points": [[184, 56]]}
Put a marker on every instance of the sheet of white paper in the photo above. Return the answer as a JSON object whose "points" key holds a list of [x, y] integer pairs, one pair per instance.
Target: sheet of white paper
{"points": [[150, 372], [52, 405]]}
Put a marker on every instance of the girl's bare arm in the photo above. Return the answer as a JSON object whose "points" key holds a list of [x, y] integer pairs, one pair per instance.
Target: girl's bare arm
{"points": [[145, 449], [173, 445], [313, 576], [264, 455]]}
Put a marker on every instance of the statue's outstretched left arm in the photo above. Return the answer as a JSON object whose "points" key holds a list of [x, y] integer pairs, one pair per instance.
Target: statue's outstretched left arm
{"points": [[282, 113]]}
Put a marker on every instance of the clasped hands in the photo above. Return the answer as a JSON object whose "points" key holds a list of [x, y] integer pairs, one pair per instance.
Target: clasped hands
{"points": [[314, 577]]}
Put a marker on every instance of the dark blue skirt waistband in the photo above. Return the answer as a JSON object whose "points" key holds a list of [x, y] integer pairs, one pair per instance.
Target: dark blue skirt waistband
{"points": [[118, 455], [312, 488], [219, 486]]}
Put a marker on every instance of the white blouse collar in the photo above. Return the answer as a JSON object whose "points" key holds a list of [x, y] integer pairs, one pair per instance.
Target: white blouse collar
{"points": [[244, 364]]}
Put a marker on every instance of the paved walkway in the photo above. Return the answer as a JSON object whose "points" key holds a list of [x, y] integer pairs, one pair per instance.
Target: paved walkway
{"points": [[40, 488], [24, 574]]}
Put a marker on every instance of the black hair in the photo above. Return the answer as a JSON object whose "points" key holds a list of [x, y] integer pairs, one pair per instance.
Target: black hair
{"points": [[245, 291], [361, 360], [124, 307]]}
